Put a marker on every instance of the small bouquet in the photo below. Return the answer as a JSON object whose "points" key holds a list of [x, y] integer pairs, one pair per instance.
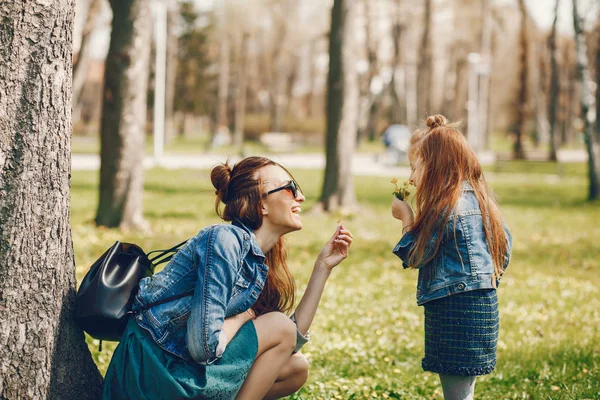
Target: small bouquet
{"points": [[401, 193]]}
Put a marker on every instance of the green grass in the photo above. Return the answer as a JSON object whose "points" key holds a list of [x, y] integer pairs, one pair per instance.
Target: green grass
{"points": [[367, 337]]}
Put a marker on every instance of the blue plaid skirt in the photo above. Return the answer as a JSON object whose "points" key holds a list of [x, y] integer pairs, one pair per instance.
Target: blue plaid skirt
{"points": [[461, 333]]}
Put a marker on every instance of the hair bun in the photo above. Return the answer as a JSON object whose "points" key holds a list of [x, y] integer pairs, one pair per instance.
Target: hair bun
{"points": [[220, 177], [433, 121]]}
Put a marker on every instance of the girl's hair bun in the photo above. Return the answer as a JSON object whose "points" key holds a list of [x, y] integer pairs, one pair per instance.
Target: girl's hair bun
{"points": [[433, 121], [220, 177]]}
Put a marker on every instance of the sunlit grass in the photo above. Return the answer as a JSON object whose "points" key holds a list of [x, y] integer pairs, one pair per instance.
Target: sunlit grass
{"points": [[367, 338]]}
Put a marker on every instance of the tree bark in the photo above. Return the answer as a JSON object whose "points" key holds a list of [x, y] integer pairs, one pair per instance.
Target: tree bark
{"points": [[521, 119], [587, 107], [554, 86], [424, 72], [171, 82], [123, 133], [342, 106], [43, 353]]}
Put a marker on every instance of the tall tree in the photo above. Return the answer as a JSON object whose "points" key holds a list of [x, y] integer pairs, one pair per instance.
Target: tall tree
{"points": [[123, 132], [342, 106], [368, 99], [193, 82], [554, 86], [592, 139], [43, 353], [521, 105], [425, 71], [222, 120], [240, 101], [398, 109], [82, 62], [598, 81]]}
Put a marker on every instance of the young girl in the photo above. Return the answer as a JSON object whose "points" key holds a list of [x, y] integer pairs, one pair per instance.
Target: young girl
{"points": [[459, 257], [230, 338]]}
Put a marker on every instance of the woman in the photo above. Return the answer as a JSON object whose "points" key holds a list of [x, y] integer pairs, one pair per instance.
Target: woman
{"points": [[230, 338]]}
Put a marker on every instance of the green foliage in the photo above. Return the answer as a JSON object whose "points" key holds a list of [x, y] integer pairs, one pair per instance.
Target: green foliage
{"points": [[367, 337]]}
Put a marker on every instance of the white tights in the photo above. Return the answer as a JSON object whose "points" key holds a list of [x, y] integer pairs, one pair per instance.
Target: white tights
{"points": [[458, 387]]}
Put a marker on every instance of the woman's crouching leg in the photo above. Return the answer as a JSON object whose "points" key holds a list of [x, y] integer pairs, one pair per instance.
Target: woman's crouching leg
{"points": [[276, 334], [292, 377]]}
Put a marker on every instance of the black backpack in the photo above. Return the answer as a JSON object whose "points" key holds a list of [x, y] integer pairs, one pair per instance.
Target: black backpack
{"points": [[104, 298]]}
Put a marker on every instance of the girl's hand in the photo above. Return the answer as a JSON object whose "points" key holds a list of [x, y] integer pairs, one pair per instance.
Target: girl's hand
{"points": [[336, 248], [402, 211]]}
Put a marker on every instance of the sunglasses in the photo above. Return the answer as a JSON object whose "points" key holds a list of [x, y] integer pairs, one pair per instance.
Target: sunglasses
{"points": [[292, 186]]}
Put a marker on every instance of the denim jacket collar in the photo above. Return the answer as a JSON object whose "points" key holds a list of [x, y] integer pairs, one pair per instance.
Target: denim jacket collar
{"points": [[253, 243]]}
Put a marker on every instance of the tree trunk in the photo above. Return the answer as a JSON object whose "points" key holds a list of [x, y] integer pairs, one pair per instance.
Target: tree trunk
{"points": [[424, 72], [598, 87], [43, 354], [123, 133], [554, 86], [171, 81], [240, 103], [520, 122], [80, 69], [342, 106], [398, 108], [222, 121], [587, 107], [368, 105], [484, 78]]}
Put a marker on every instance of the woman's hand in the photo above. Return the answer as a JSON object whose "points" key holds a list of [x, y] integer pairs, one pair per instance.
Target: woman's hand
{"points": [[336, 249], [402, 211], [234, 323]]}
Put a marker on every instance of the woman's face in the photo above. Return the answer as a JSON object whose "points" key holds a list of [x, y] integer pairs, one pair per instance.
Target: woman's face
{"points": [[416, 170], [281, 209]]}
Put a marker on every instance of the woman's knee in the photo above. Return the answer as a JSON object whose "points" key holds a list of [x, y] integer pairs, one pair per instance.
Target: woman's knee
{"points": [[279, 327], [299, 370]]}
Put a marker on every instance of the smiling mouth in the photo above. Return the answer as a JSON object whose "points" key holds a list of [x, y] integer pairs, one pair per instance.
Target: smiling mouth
{"points": [[296, 210]]}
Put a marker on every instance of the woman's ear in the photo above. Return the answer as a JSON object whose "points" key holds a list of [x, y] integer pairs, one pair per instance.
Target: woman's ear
{"points": [[264, 209]]}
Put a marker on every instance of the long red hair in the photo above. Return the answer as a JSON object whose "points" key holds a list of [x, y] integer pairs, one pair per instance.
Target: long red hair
{"points": [[241, 190], [448, 161]]}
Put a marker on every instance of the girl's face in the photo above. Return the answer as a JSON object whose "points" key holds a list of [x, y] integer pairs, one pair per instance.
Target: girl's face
{"points": [[416, 170], [282, 204]]}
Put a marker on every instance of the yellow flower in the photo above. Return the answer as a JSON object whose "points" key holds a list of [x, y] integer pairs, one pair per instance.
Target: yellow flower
{"points": [[394, 181]]}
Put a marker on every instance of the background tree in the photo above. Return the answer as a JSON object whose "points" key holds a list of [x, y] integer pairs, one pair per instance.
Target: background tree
{"points": [[554, 85], [592, 140], [342, 106], [424, 71], [521, 105], [195, 85], [123, 132], [43, 352], [82, 62]]}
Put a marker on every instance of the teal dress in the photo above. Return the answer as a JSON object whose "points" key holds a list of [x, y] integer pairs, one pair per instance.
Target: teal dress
{"points": [[139, 369]]}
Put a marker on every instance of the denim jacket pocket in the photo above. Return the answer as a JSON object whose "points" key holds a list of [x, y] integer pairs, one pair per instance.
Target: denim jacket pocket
{"points": [[241, 284]]}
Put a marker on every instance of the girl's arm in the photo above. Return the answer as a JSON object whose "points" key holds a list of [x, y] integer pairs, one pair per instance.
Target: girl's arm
{"points": [[333, 253], [402, 211]]}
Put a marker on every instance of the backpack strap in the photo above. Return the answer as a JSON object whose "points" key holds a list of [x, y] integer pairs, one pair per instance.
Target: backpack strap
{"points": [[155, 260]]}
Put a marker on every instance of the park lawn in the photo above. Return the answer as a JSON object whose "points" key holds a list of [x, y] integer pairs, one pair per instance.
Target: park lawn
{"points": [[367, 337]]}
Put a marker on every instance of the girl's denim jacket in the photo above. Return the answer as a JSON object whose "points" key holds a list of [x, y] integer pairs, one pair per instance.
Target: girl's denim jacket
{"points": [[225, 266], [463, 261]]}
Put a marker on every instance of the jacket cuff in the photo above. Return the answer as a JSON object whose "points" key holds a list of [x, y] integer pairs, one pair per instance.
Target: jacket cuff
{"points": [[301, 339], [403, 247]]}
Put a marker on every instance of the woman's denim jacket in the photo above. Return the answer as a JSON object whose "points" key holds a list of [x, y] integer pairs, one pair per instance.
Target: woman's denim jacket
{"points": [[463, 261], [225, 267]]}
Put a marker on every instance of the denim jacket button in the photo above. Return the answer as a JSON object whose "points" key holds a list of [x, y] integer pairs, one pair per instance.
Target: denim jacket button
{"points": [[461, 286]]}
